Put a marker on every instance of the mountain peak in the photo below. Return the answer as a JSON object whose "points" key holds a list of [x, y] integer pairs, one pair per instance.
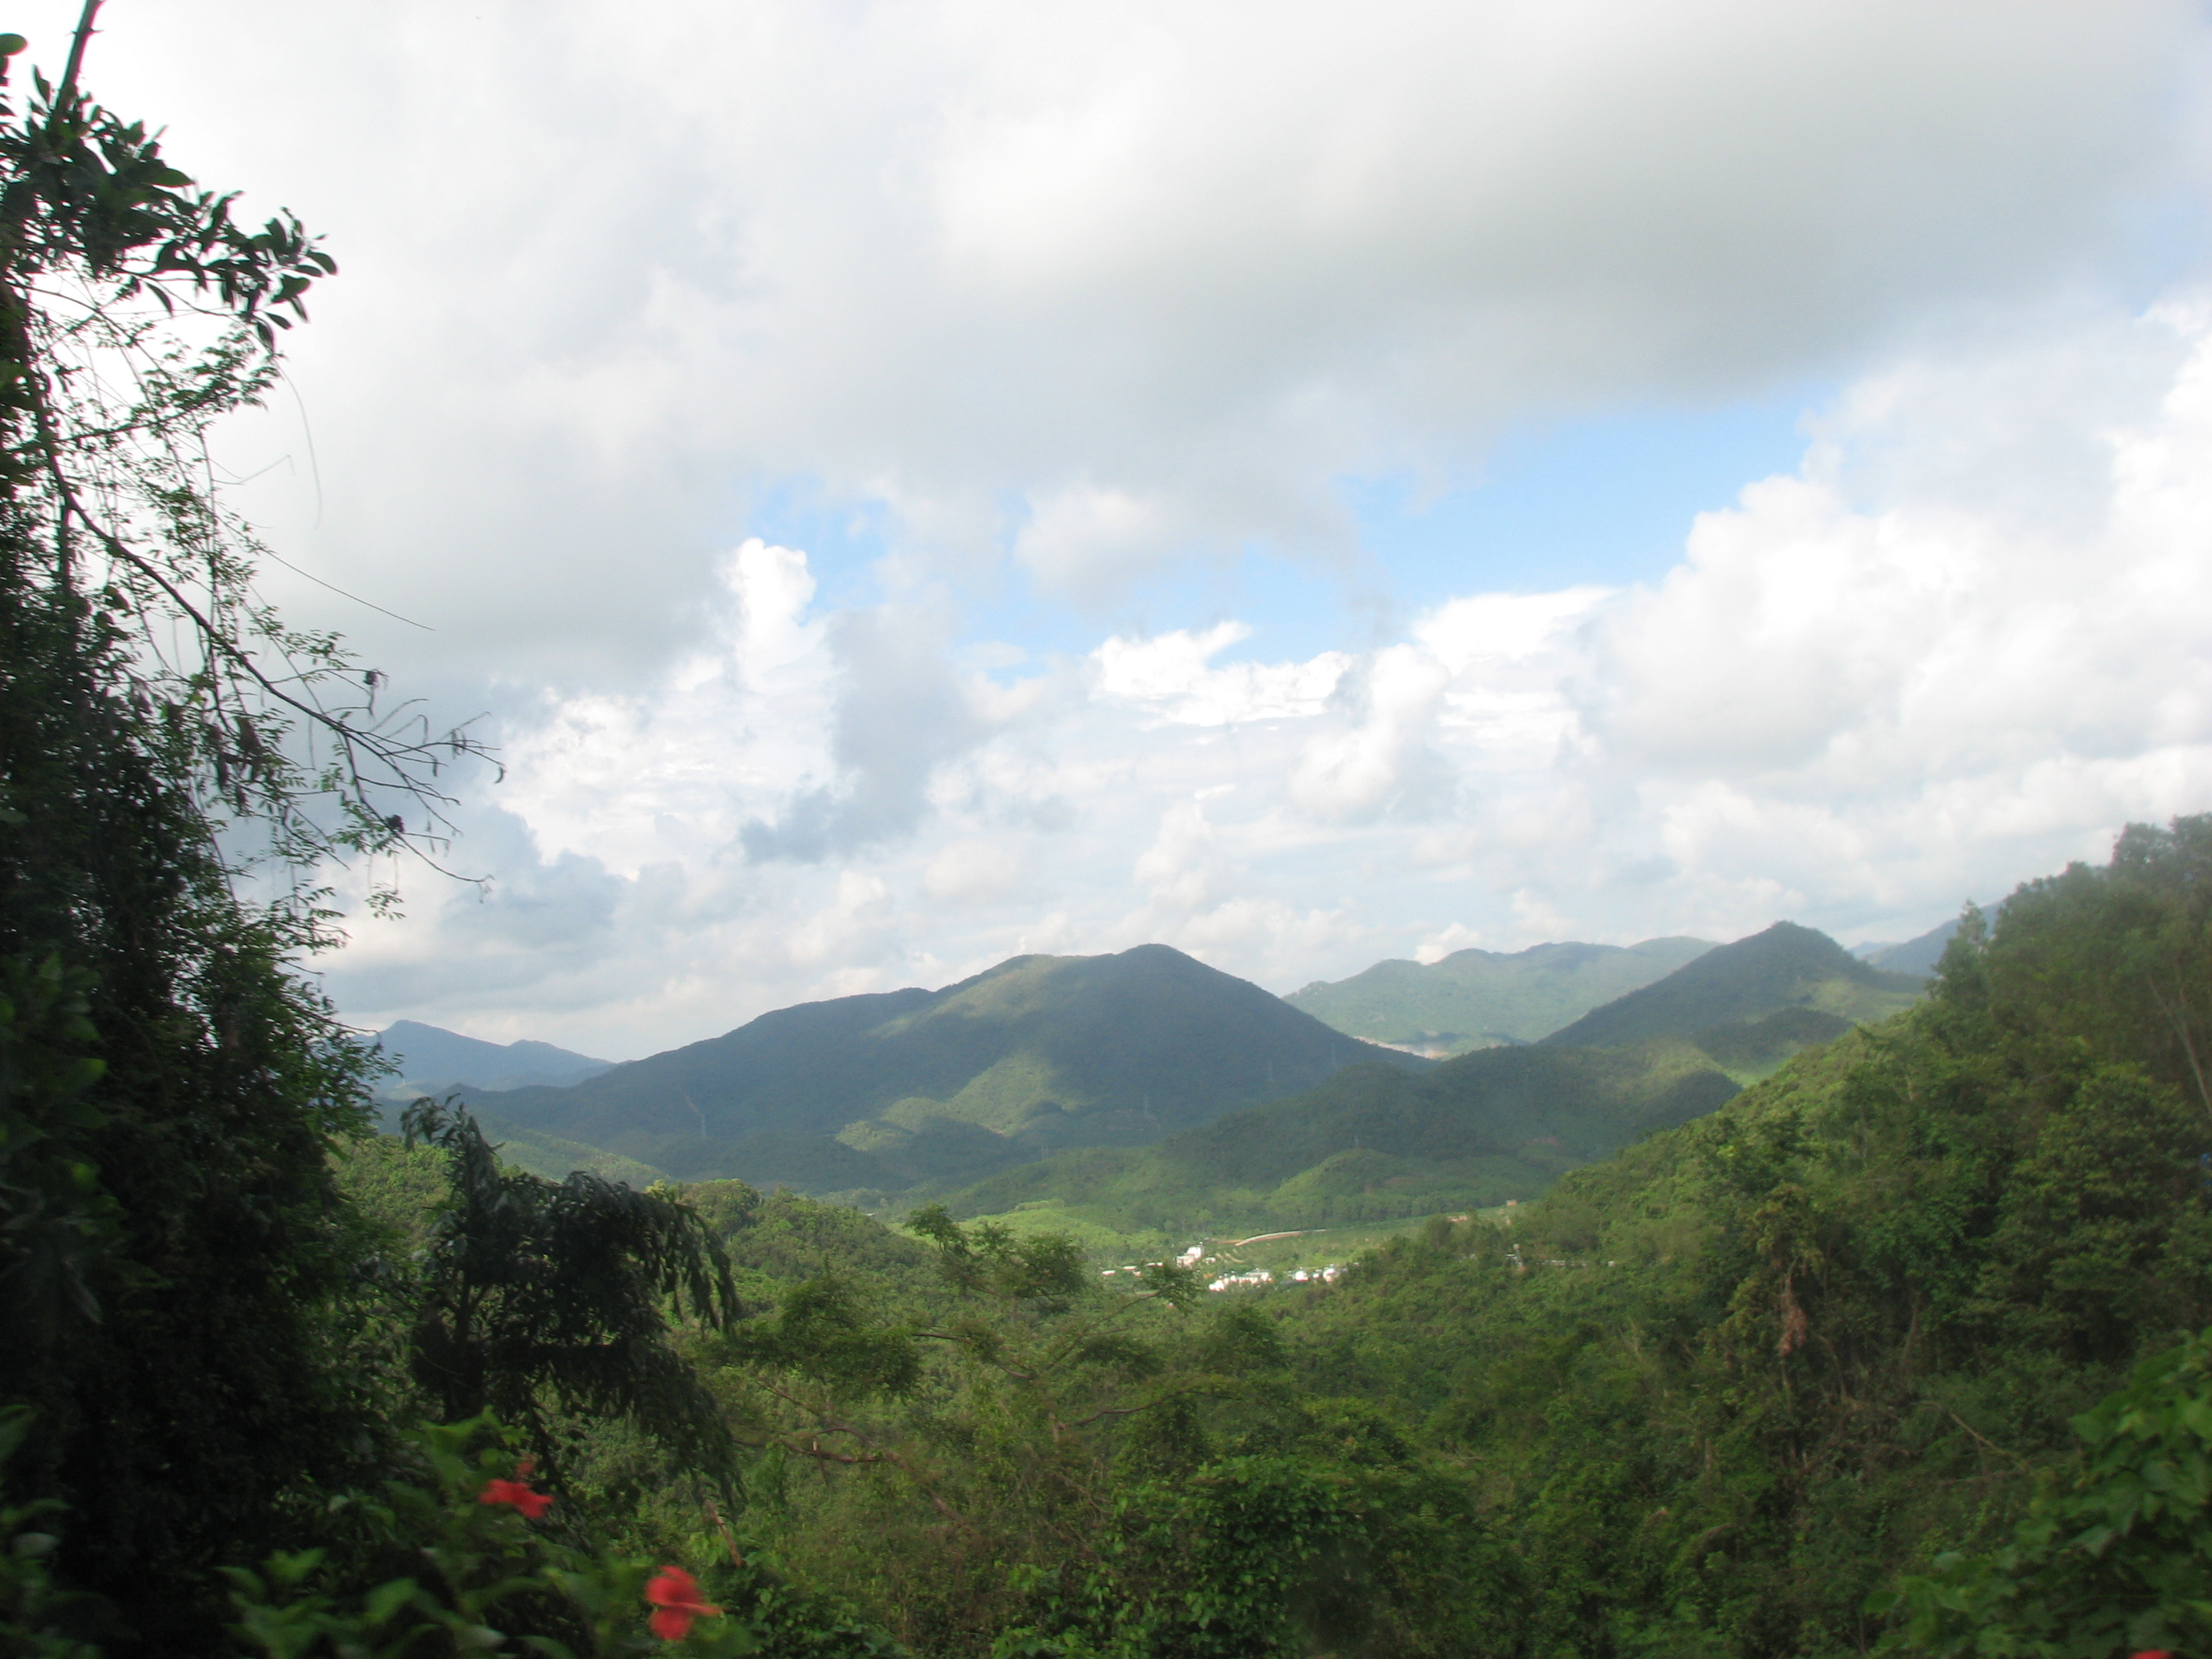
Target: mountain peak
{"points": [[888, 1090], [1786, 965]]}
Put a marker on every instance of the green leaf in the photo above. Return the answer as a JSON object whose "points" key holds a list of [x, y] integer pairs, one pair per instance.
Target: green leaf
{"points": [[385, 1601]]}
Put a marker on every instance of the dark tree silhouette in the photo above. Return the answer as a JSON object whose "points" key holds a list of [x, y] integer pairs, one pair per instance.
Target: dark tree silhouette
{"points": [[541, 1294], [175, 764]]}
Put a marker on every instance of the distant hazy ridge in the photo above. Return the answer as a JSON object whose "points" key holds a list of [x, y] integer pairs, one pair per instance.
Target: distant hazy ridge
{"points": [[1477, 999], [431, 1060]]}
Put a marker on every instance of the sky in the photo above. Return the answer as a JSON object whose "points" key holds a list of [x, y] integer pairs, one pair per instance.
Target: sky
{"points": [[907, 484]]}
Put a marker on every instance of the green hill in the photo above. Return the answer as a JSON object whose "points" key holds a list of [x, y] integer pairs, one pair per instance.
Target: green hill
{"points": [[1478, 999], [1752, 1003], [1374, 1142], [871, 1096]]}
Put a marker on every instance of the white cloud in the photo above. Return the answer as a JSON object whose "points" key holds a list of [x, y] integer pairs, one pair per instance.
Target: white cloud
{"points": [[1859, 698], [1173, 677], [741, 722], [1115, 286], [1072, 295]]}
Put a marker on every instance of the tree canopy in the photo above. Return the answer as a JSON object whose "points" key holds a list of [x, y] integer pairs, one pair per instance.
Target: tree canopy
{"points": [[175, 1266]]}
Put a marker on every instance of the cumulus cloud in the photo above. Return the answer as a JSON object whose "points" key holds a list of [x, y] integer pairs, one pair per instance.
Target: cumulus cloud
{"points": [[1063, 299], [901, 713], [1860, 697]]}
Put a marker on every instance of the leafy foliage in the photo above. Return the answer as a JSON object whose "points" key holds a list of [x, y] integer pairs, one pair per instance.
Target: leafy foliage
{"points": [[470, 1574], [180, 1301], [537, 1294], [2116, 1555]]}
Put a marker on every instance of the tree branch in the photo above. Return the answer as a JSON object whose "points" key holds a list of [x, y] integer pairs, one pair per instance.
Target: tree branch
{"points": [[78, 41]]}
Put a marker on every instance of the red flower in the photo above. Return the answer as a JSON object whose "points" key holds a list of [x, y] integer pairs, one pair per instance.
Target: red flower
{"points": [[517, 1493], [2151, 1653], [674, 1593]]}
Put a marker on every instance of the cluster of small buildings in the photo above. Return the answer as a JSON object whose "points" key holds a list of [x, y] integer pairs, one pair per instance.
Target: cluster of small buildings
{"points": [[1196, 1256], [1327, 1275]]}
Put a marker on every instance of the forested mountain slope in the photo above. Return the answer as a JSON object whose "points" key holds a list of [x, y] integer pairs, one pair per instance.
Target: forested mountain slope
{"points": [[1489, 1125], [1721, 1387], [879, 1094], [1477, 999], [1373, 1142]]}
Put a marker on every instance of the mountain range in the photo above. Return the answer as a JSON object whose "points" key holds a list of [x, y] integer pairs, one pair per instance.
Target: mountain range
{"points": [[1492, 1124], [1145, 1090]]}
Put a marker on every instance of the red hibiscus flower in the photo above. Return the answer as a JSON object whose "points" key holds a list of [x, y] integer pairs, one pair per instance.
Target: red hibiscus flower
{"points": [[674, 1593], [517, 1494], [2151, 1653]]}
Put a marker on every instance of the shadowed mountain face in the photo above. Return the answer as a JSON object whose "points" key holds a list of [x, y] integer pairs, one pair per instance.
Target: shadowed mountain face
{"points": [[882, 1093], [431, 1060], [1478, 999]]}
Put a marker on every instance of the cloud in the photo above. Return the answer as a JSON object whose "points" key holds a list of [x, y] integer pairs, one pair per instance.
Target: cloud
{"points": [[1115, 288], [1173, 677], [1868, 691], [1063, 299], [748, 718], [901, 713]]}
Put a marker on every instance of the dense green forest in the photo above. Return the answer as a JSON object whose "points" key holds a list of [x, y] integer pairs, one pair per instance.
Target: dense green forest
{"points": [[1898, 1347]]}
